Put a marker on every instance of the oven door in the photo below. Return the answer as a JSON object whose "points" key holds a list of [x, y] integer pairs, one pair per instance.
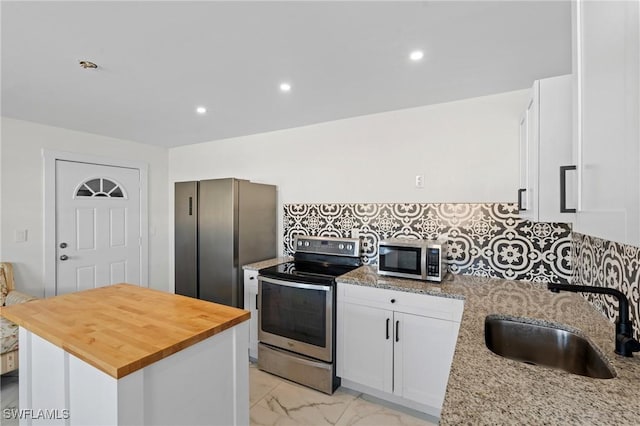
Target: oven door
{"points": [[296, 316]]}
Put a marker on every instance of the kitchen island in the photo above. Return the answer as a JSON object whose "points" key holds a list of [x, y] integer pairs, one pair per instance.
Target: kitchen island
{"points": [[123, 354], [484, 388]]}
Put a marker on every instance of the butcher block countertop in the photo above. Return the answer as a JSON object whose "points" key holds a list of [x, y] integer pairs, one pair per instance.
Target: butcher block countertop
{"points": [[123, 328]]}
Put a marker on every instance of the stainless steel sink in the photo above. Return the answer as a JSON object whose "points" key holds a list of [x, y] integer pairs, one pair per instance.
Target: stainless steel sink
{"points": [[542, 345]]}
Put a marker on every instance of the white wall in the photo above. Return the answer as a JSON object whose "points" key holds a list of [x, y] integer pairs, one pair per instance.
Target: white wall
{"points": [[467, 150], [21, 177]]}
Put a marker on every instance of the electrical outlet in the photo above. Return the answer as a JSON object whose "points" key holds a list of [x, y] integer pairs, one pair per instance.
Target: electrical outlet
{"points": [[419, 181], [20, 235]]}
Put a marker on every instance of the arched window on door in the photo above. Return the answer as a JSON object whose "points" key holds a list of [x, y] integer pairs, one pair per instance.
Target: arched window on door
{"points": [[100, 187]]}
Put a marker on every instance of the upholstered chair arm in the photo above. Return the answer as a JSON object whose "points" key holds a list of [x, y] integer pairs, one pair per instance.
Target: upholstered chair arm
{"points": [[15, 297]]}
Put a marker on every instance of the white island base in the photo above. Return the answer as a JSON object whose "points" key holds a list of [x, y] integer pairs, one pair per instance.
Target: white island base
{"points": [[205, 384]]}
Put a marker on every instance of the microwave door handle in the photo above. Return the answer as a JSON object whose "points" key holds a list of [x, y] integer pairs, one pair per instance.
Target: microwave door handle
{"points": [[294, 284], [423, 263]]}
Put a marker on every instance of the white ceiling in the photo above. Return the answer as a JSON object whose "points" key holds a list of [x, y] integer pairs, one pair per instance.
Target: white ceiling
{"points": [[158, 60]]}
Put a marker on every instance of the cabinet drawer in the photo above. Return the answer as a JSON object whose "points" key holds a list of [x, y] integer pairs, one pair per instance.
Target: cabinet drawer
{"points": [[402, 301]]}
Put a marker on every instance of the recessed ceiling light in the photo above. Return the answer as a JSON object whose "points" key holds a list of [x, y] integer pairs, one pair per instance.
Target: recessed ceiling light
{"points": [[201, 110], [285, 87], [416, 55]]}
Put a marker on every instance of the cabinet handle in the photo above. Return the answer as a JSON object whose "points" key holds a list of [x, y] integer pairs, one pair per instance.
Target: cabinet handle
{"points": [[256, 301], [190, 206], [393, 300], [252, 277], [563, 189], [387, 328], [520, 192], [397, 328]]}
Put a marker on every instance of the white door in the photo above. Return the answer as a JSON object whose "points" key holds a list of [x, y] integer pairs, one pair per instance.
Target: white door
{"points": [[423, 353], [365, 345], [608, 59], [98, 240]]}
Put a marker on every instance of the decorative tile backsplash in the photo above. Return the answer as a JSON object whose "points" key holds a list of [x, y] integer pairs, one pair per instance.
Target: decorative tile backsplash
{"points": [[607, 264], [484, 239]]}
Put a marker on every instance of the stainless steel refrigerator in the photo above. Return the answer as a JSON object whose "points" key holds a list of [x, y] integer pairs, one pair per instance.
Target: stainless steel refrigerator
{"points": [[221, 225]]}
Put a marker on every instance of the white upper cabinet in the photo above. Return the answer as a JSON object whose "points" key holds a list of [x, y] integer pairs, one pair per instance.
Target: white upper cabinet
{"points": [[606, 63], [546, 153]]}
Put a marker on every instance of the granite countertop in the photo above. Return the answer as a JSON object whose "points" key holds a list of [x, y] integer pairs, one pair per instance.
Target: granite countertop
{"points": [[266, 263], [485, 388]]}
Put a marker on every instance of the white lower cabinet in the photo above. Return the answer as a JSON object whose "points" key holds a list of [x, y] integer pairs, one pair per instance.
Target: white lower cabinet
{"points": [[364, 332], [251, 305], [423, 351], [396, 345]]}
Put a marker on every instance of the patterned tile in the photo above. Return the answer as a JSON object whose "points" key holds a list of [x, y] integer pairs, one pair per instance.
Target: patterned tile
{"points": [[487, 239], [608, 264]]}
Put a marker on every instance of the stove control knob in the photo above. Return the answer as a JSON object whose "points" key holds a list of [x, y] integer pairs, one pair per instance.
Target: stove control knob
{"points": [[349, 246], [341, 246], [300, 243], [306, 243]]}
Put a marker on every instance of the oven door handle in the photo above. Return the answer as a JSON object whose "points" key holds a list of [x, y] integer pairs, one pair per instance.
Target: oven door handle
{"points": [[295, 284]]}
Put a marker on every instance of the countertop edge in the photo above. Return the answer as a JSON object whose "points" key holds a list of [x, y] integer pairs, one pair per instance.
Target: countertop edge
{"points": [[256, 266], [485, 388], [120, 371]]}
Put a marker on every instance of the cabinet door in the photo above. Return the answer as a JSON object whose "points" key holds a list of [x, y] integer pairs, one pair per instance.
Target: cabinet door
{"points": [[423, 353], [609, 120], [524, 173], [365, 345], [555, 122], [529, 158], [251, 305], [545, 146]]}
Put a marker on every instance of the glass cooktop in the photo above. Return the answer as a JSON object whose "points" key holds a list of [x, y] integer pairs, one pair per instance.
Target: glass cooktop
{"points": [[307, 272]]}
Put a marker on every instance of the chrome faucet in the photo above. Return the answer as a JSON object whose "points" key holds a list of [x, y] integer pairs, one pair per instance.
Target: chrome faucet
{"points": [[626, 345]]}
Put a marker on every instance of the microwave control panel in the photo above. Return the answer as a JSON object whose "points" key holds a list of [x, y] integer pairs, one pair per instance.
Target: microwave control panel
{"points": [[433, 262]]}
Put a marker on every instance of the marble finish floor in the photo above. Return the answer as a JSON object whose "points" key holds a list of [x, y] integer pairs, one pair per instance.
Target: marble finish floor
{"points": [[8, 398], [275, 401]]}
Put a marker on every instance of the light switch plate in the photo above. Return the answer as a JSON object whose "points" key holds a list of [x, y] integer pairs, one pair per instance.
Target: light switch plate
{"points": [[419, 181]]}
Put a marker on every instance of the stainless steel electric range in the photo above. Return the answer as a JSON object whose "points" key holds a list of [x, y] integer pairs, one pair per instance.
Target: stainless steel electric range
{"points": [[297, 311]]}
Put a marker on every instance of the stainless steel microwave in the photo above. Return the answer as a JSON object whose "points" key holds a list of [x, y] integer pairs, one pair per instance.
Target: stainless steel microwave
{"points": [[415, 259]]}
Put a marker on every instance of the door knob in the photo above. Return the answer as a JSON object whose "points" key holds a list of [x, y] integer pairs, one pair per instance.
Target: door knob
{"points": [[64, 257], [63, 245]]}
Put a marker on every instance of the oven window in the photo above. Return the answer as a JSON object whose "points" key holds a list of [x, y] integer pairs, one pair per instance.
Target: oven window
{"points": [[400, 259], [295, 313]]}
